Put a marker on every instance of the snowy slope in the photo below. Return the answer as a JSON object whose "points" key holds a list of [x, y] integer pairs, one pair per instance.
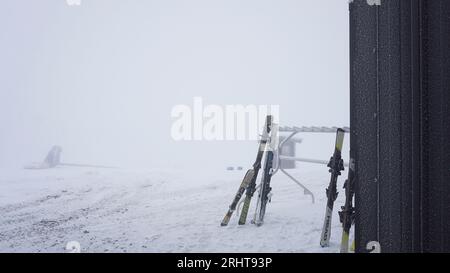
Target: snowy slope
{"points": [[156, 211]]}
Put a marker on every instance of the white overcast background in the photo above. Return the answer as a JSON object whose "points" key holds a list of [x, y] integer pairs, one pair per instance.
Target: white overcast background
{"points": [[101, 79]]}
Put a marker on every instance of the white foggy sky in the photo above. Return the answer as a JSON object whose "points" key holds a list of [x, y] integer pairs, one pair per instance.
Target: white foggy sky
{"points": [[101, 79]]}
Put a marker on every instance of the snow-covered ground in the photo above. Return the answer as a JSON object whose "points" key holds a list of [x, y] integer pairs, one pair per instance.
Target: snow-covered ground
{"points": [[156, 211]]}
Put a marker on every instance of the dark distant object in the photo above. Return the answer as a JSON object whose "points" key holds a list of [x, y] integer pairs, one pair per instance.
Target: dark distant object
{"points": [[288, 149], [235, 169], [53, 160]]}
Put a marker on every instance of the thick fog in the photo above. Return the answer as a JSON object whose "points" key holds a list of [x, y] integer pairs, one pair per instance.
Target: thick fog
{"points": [[101, 79]]}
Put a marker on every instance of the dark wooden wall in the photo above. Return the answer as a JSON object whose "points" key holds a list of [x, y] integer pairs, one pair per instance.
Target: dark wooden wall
{"points": [[400, 120]]}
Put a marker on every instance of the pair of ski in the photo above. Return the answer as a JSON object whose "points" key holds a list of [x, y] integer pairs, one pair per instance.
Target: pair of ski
{"points": [[336, 165], [248, 184]]}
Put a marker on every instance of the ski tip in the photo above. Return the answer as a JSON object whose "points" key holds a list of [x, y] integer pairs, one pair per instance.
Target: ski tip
{"points": [[242, 221], [226, 220], [324, 242], [353, 246], [340, 139], [344, 242], [249, 176], [324, 245]]}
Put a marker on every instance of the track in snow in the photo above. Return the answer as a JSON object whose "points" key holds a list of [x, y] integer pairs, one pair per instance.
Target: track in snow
{"points": [[156, 211]]}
